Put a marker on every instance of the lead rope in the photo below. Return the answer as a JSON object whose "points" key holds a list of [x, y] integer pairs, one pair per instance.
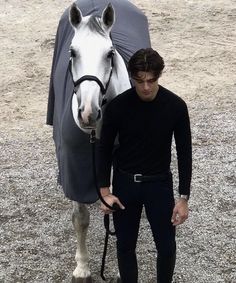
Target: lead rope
{"points": [[106, 216]]}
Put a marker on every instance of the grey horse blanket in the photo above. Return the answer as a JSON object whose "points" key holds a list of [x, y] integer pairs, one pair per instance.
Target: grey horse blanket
{"points": [[73, 149]]}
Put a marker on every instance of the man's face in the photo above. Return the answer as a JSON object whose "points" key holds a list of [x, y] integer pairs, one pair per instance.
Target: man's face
{"points": [[146, 85]]}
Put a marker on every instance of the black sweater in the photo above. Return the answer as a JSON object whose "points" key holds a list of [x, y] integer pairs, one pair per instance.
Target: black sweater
{"points": [[145, 131]]}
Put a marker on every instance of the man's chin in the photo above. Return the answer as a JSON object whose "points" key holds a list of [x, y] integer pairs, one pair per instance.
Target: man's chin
{"points": [[147, 97]]}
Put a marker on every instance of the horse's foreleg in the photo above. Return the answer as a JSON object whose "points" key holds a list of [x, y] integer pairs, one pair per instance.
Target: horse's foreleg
{"points": [[80, 219]]}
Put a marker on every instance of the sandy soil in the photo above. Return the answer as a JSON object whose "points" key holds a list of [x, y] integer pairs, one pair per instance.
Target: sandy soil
{"points": [[37, 243]]}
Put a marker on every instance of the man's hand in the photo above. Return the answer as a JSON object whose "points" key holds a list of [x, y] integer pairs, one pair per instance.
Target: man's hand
{"points": [[110, 199], [180, 212]]}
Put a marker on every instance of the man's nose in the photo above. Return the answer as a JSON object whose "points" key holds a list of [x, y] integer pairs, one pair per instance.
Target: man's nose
{"points": [[146, 85]]}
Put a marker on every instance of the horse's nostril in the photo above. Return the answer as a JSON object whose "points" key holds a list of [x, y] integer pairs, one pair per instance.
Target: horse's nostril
{"points": [[99, 114]]}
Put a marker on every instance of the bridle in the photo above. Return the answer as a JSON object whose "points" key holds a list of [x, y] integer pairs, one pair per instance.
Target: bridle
{"points": [[93, 78]]}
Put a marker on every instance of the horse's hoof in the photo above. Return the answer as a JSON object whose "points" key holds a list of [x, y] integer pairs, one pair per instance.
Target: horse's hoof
{"points": [[82, 280]]}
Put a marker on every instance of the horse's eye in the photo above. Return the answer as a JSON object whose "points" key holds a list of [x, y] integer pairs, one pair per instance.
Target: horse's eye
{"points": [[72, 53], [111, 53]]}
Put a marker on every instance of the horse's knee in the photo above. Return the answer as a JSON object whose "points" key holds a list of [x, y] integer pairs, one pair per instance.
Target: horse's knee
{"points": [[80, 215]]}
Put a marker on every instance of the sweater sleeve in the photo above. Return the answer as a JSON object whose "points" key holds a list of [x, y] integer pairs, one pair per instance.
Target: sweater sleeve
{"points": [[105, 149], [182, 134]]}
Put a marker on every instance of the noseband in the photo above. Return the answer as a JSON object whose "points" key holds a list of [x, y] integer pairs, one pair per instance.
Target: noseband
{"points": [[93, 78]]}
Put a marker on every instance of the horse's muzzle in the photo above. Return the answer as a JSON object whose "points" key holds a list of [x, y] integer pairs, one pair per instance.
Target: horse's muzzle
{"points": [[90, 121]]}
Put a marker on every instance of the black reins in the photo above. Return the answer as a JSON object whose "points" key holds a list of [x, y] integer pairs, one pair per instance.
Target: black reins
{"points": [[106, 216], [92, 141]]}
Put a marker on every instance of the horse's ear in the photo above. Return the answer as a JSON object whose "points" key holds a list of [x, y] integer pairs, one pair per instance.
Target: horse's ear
{"points": [[108, 16], [75, 16]]}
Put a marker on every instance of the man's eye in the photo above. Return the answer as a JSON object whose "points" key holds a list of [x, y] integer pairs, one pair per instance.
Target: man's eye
{"points": [[139, 81], [152, 80]]}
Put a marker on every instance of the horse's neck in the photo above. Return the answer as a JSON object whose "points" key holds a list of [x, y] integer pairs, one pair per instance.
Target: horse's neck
{"points": [[120, 78]]}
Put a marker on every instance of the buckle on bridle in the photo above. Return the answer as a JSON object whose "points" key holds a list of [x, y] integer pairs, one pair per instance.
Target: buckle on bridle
{"points": [[135, 178]]}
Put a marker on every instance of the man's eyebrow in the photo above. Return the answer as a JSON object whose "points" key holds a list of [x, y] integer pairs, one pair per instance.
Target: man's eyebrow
{"points": [[143, 80]]}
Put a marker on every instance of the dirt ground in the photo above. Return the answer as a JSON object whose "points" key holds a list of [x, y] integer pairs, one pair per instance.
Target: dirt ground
{"points": [[37, 244]]}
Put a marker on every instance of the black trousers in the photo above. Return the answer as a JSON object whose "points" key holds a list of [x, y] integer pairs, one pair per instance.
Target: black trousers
{"points": [[158, 200]]}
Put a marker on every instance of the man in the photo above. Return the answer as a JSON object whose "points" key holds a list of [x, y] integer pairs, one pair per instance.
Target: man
{"points": [[145, 118]]}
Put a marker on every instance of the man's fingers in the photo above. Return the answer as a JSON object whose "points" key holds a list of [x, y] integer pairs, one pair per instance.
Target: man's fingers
{"points": [[179, 220], [180, 213], [112, 201], [174, 215], [120, 204]]}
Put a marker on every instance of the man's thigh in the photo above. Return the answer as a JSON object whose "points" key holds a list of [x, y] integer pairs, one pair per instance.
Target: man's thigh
{"points": [[127, 221], [159, 203]]}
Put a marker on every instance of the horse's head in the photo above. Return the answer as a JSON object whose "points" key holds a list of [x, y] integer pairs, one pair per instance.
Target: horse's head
{"points": [[91, 64]]}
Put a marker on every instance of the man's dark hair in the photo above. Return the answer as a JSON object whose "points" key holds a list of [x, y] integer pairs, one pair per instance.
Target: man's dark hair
{"points": [[146, 60]]}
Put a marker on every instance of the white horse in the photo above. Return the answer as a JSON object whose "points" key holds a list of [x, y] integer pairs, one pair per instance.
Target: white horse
{"points": [[99, 74]]}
